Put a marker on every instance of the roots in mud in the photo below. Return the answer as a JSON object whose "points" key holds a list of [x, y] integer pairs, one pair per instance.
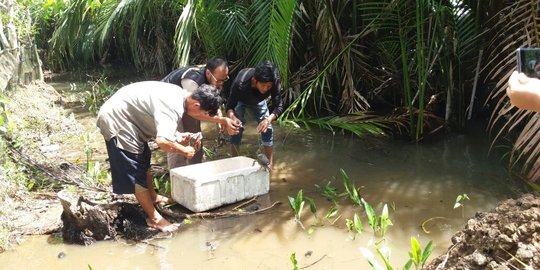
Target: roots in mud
{"points": [[85, 222]]}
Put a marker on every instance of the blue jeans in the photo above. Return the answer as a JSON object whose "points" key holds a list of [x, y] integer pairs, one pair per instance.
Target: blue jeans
{"points": [[260, 111]]}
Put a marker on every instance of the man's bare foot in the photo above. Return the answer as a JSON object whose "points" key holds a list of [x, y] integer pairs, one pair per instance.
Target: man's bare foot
{"points": [[162, 225]]}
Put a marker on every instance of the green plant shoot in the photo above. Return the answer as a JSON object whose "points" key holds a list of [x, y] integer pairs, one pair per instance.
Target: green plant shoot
{"points": [[460, 202], [297, 205], [294, 261], [350, 188], [417, 256], [379, 224]]}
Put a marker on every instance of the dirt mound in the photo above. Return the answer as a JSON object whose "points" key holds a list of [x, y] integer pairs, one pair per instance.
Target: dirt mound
{"points": [[506, 238]]}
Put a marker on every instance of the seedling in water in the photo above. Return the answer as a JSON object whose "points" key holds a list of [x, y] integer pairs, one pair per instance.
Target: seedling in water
{"points": [[417, 256], [460, 202], [373, 263], [379, 224], [384, 221], [350, 188], [330, 192], [331, 213], [355, 225], [297, 205], [294, 261]]}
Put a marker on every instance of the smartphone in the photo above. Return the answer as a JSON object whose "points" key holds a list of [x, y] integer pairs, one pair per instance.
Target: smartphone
{"points": [[528, 61]]}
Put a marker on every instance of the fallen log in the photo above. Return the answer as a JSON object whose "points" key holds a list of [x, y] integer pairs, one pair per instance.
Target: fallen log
{"points": [[85, 222]]}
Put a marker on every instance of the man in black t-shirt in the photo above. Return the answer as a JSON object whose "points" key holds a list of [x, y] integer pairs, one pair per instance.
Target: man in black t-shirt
{"points": [[250, 90], [216, 73]]}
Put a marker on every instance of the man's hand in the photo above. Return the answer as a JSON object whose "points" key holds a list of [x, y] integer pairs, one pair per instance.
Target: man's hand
{"points": [[232, 125], [263, 125], [175, 147], [196, 140], [182, 138], [187, 151]]}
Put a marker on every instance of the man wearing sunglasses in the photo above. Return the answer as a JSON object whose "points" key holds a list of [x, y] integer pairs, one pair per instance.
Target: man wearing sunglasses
{"points": [[216, 73]]}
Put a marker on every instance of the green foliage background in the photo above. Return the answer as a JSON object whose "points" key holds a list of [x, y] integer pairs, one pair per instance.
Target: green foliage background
{"points": [[406, 66]]}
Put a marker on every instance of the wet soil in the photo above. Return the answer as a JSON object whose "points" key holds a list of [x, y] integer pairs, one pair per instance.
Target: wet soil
{"points": [[507, 237]]}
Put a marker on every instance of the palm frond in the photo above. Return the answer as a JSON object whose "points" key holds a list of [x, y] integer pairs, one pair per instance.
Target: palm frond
{"points": [[222, 28], [70, 39], [298, 107], [270, 33], [360, 124], [184, 32], [516, 26]]}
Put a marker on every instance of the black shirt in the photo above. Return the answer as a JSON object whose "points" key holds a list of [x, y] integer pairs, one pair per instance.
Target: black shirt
{"points": [[195, 73], [241, 90]]}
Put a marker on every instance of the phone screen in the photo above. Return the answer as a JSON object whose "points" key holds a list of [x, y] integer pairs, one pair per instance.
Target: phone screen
{"points": [[528, 61]]}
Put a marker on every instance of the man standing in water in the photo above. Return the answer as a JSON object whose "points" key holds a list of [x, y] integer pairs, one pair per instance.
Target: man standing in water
{"points": [[142, 111], [216, 73], [250, 90]]}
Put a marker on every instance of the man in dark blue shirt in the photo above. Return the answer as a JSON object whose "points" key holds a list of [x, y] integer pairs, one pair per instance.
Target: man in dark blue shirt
{"points": [[250, 90], [216, 73]]}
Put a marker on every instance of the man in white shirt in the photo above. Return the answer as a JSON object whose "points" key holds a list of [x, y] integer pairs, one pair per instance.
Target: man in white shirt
{"points": [[142, 111]]}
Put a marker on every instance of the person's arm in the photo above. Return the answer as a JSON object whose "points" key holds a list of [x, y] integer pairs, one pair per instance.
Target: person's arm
{"points": [[175, 147], [229, 124], [524, 92], [232, 101], [277, 109], [277, 101]]}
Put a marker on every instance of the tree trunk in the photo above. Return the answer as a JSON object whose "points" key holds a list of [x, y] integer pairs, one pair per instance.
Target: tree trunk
{"points": [[85, 222]]}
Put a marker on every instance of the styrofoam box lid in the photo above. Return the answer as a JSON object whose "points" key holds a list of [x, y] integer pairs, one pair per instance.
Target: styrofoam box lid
{"points": [[209, 171]]}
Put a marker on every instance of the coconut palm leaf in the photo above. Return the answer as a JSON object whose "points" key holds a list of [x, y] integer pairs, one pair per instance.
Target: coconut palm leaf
{"points": [[517, 25], [269, 34], [335, 63], [71, 37], [298, 107], [136, 28], [422, 50], [184, 32], [222, 28], [360, 124]]}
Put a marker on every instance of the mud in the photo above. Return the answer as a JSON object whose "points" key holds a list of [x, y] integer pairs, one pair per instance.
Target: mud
{"points": [[506, 238]]}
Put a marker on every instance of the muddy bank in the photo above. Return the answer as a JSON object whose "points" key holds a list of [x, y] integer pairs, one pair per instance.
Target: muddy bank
{"points": [[506, 238]]}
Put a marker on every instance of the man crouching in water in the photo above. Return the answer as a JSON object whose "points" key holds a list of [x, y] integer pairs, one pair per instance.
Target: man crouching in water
{"points": [[142, 111]]}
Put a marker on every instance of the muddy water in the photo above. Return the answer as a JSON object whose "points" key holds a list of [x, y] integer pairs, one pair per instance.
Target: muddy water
{"points": [[419, 182]]}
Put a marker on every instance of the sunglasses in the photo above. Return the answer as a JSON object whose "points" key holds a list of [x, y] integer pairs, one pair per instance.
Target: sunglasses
{"points": [[226, 79]]}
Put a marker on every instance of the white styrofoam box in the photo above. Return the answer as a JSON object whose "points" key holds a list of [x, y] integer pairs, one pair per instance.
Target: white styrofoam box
{"points": [[207, 185]]}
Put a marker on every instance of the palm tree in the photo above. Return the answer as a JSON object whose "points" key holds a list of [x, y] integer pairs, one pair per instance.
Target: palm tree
{"points": [[516, 25], [136, 30]]}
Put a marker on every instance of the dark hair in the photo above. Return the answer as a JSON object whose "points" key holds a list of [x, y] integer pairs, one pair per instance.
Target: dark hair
{"points": [[265, 72], [214, 63], [208, 96]]}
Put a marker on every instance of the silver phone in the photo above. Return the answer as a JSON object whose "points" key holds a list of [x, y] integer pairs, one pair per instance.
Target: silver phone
{"points": [[528, 61]]}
